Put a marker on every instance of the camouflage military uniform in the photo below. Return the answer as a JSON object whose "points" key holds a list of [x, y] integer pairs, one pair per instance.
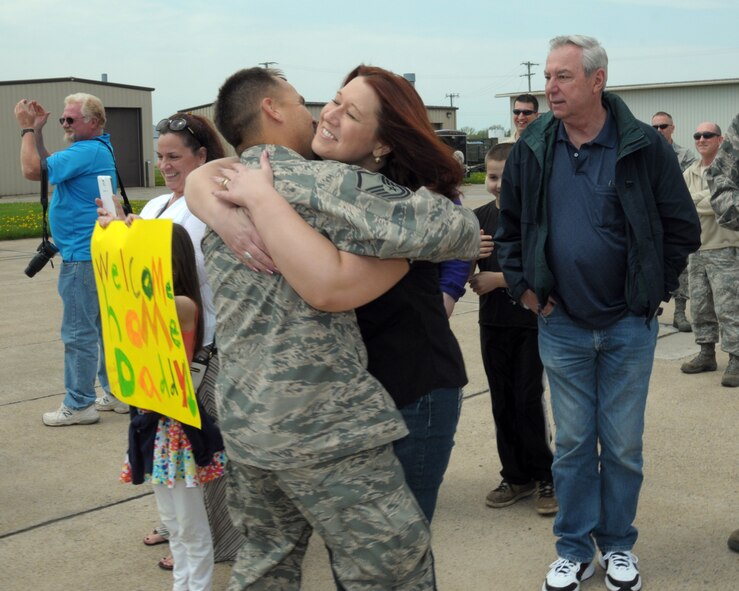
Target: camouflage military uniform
{"points": [[723, 179], [683, 288], [685, 158], [299, 412], [714, 271]]}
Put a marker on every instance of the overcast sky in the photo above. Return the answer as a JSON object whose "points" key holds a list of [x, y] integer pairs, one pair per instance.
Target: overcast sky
{"points": [[473, 49]]}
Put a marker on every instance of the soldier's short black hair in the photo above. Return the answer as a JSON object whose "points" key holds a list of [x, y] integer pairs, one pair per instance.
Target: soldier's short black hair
{"points": [[238, 103]]}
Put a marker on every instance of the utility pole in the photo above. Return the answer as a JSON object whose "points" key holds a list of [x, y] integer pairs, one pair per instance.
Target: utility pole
{"points": [[451, 98], [529, 73], [266, 64]]}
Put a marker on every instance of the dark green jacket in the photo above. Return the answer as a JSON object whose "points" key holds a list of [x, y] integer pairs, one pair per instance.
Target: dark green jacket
{"points": [[662, 225]]}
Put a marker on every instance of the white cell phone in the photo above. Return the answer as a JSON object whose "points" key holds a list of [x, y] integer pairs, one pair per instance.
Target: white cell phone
{"points": [[105, 186]]}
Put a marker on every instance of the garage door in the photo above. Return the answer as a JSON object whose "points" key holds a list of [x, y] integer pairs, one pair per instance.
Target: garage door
{"points": [[124, 127]]}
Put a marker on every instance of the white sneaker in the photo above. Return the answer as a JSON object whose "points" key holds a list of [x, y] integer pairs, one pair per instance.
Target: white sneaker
{"points": [[67, 416], [109, 402], [565, 575], [621, 571]]}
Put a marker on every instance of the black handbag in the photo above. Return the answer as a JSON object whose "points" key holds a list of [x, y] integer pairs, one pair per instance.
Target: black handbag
{"points": [[199, 365]]}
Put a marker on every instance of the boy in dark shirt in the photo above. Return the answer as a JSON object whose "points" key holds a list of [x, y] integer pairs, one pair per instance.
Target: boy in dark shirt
{"points": [[510, 355]]}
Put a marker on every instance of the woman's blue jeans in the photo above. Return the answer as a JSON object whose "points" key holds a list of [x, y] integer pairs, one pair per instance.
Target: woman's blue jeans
{"points": [[424, 453], [81, 334], [599, 381]]}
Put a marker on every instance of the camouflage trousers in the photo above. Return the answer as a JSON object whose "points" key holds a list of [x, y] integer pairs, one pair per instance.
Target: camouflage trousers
{"points": [[361, 507], [714, 297], [683, 290]]}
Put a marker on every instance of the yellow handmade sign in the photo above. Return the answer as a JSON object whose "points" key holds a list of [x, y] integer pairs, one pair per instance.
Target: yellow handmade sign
{"points": [[144, 352]]}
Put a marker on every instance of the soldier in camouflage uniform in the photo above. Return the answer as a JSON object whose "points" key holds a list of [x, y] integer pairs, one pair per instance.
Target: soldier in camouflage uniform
{"points": [[723, 179], [664, 124], [714, 270], [308, 430]]}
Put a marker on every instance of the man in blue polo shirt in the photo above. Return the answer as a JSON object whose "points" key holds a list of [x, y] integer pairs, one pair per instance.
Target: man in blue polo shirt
{"points": [[595, 227], [72, 217]]}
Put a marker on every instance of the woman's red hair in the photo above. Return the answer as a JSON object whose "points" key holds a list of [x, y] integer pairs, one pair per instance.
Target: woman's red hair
{"points": [[418, 158]]}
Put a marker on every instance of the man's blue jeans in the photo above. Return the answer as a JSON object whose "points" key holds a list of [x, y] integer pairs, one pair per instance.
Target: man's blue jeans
{"points": [[81, 334], [599, 381], [424, 453]]}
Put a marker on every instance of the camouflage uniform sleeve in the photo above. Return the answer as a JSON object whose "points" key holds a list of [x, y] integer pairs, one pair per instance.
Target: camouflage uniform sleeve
{"points": [[686, 158], [389, 221], [723, 179]]}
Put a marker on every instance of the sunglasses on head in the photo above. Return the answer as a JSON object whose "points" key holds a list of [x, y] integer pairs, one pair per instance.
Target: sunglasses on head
{"points": [[174, 125], [527, 112], [706, 135], [661, 126]]}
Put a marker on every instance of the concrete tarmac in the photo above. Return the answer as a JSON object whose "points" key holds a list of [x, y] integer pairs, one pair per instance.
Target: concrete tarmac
{"points": [[67, 524]]}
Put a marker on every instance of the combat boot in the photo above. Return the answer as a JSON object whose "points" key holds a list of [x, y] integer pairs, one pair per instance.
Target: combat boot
{"points": [[730, 378], [704, 361], [679, 320]]}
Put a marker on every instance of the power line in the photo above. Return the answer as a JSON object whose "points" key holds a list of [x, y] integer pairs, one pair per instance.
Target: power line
{"points": [[451, 98], [267, 64]]}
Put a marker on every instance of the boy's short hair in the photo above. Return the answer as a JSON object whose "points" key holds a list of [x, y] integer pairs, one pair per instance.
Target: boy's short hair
{"points": [[499, 152]]}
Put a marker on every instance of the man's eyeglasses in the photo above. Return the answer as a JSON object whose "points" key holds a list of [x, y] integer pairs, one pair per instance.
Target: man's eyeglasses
{"points": [[706, 135], [661, 126], [174, 125], [67, 120], [527, 112]]}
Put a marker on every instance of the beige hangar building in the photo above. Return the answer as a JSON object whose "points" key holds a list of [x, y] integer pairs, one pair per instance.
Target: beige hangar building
{"points": [[127, 108]]}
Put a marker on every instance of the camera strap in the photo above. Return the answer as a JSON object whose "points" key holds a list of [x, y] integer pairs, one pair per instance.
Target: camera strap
{"points": [[44, 200], [126, 204]]}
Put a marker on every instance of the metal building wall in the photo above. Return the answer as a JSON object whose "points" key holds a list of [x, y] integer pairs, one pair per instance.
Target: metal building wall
{"points": [[688, 106], [443, 117], [208, 112], [50, 94]]}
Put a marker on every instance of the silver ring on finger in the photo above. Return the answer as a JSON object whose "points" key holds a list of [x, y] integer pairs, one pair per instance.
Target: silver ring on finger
{"points": [[247, 255]]}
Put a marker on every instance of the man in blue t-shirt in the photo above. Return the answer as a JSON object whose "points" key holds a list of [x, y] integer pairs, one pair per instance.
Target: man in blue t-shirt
{"points": [[72, 217]]}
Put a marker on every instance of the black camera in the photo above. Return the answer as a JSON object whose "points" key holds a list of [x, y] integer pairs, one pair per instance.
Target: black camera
{"points": [[44, 253]]}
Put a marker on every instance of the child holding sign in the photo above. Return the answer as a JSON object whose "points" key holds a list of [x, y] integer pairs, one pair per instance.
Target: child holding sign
{"points": [[176, 458]]}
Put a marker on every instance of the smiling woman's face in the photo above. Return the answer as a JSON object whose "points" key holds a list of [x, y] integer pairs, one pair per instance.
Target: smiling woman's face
{"points": [[176, 161], [347, 129]]}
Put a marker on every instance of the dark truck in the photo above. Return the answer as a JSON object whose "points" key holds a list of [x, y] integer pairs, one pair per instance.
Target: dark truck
{"points": [[474, 150]]}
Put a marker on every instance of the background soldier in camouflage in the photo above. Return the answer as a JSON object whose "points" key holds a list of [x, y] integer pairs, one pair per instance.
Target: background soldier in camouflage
{"points": [[307, 428], [723, 179], [664, 124], [714, 270]]}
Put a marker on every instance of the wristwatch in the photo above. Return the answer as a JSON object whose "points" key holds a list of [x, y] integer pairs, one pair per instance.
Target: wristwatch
{"points": [[26, 130]]}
